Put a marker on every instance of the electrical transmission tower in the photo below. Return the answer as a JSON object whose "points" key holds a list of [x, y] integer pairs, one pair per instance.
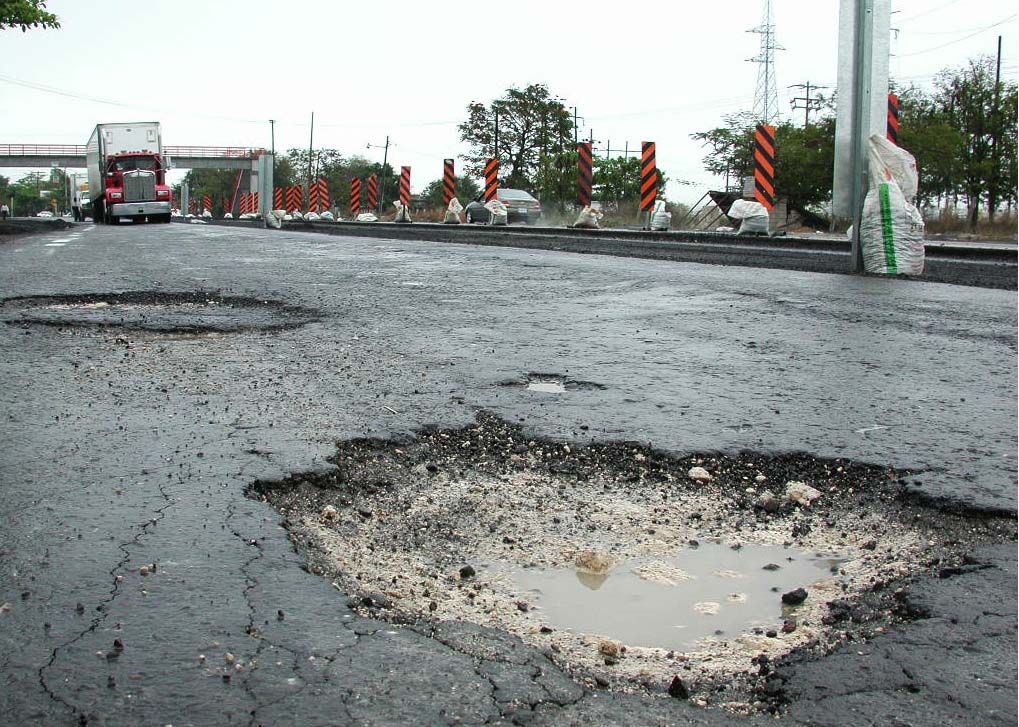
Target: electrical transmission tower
{"points": [[766, 95]]}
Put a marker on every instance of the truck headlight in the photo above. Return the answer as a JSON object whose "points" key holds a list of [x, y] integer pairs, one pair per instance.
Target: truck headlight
{"points": [[162, 193], [116, 195]]}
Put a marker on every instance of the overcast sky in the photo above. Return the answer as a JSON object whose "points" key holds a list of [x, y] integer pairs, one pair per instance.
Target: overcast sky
{"points": [[214, 73]]}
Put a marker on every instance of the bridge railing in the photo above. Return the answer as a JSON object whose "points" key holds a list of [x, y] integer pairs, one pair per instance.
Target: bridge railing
{"points": [[203, 152], [213, 152], [24, 150]]}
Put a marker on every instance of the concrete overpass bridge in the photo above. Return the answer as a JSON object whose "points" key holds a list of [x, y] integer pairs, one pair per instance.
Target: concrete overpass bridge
{"points": [[181, 157]]}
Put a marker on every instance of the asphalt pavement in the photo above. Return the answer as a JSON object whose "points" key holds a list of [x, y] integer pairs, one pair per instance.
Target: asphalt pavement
{"points": [[139, 586]]}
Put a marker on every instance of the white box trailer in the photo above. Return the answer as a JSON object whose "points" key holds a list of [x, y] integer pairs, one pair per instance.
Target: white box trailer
{"points": [[126, 174]]}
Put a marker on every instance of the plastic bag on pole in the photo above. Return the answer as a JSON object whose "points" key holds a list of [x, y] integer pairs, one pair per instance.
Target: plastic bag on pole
{"points": [[891, 228], [452, 216], [890, 163]]}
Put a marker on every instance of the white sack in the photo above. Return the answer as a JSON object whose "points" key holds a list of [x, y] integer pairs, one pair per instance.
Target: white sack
{"points": [[402, 212], [588, 219], [499, 215]]}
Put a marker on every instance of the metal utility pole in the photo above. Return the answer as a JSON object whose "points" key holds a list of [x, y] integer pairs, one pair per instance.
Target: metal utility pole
{"points": [[272, 141], [385, 158], [311, 138], [863, 46], [809, 104], [862, 110], [992, 197], [766, 94], [626, 150], [576, 126], [495, 155]]}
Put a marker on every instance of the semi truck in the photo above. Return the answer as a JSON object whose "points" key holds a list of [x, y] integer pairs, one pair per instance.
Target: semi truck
{"points": [[126, 173], [81, 203]]}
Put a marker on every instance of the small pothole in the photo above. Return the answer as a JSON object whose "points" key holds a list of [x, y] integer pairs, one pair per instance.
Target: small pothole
{"points": [[167, 314], [781, 554], [551, 384]]}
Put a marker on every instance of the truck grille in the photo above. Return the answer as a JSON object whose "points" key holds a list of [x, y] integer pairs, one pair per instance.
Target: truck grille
{"points": [[139, 186]]}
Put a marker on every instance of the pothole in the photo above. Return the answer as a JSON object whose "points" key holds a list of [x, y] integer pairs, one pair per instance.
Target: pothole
{"points": [[727, 562], [551, 384], [172, 315]]}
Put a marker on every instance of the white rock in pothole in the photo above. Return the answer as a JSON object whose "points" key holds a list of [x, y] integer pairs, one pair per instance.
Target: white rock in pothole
{"points": [[727, 574], [801, 493], [708, 608], [661, 572], [699, 474], [329, 513]]}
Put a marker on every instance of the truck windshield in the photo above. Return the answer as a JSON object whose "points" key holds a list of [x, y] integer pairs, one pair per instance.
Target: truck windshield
{"points": [[126, 165]]}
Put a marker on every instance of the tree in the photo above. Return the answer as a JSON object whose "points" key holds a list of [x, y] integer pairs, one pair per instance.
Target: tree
{"points": [[731, 147], [466, 190], [219, 184], [804, 156], [618, 180], [804, 159], [962, 133], [26, 14], [535, 138], [966, 96], [30, 194], [338, 171], [926, 132]]}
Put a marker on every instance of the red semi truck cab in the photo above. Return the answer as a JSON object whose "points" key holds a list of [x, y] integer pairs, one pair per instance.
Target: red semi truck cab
{"points": [[127, 174]]}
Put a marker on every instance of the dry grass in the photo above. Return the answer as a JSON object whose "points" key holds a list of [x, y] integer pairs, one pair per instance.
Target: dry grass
{"points": [[1003, 227]]}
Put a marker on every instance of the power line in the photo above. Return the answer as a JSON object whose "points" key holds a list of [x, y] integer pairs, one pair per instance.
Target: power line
{"points": [[932, 10], [959, 40]]}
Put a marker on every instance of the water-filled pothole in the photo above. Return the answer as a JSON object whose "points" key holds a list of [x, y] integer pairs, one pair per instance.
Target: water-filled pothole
{"points": [[176, 314], [676, 602], [551, 384], [464, 525]]}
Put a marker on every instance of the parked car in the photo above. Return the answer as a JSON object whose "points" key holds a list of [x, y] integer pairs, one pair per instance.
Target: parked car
{"points": [[44, 213], [520, 207]]}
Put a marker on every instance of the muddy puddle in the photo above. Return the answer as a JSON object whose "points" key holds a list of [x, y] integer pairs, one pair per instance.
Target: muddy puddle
{"points": [[675, 603]]}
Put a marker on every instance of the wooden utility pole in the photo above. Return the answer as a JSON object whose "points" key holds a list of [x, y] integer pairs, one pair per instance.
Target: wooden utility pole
{"points": [[809, 104]]}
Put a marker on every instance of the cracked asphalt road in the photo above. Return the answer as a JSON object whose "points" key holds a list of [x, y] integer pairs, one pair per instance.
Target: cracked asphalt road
{"points": [[125, 450]]}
